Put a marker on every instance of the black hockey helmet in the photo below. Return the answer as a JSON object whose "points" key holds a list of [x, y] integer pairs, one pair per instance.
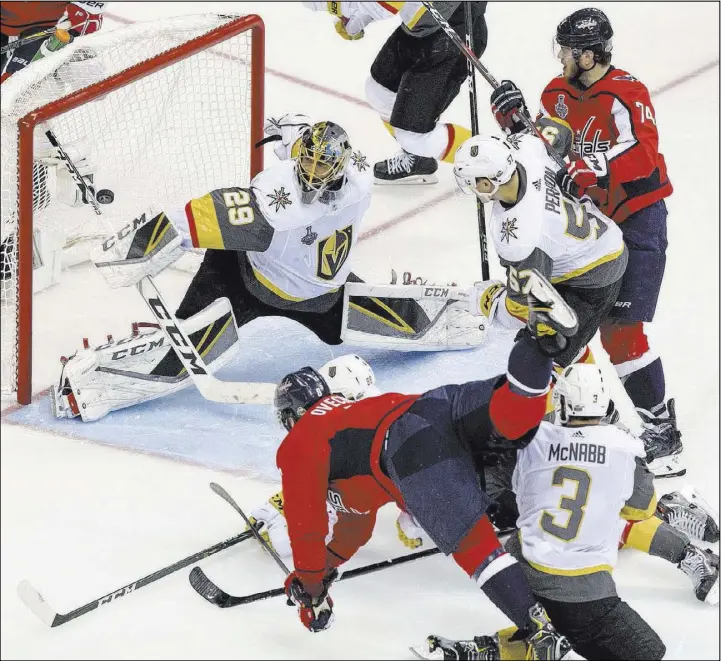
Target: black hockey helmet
{"points": [[585, 29], [296, 393]]}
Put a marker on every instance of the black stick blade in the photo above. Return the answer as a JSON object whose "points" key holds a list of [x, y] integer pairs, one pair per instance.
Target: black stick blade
{"points": [[207, 589]]}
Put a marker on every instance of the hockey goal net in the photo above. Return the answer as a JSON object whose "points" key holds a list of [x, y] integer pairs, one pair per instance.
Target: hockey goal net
{"points": [[160, 111]]}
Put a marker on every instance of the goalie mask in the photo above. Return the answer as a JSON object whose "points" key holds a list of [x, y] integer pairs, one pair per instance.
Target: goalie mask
{"points": [[296, 393], [322, 158], [483, 157], [581, 392]]}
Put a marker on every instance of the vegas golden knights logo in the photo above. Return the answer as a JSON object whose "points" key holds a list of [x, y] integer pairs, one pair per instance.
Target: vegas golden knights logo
{"points": [[333, 252]]}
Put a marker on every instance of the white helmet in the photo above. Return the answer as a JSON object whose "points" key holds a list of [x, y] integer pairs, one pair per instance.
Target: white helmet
{"points": [[483, 156], [581, 392], [350, 376]]}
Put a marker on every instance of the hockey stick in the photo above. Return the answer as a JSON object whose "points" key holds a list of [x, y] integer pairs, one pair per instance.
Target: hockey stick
{"points": [[475, 62], [267, 547], [18, 43], [480, 211], [215, 390], [213, 594], [37, 604]]}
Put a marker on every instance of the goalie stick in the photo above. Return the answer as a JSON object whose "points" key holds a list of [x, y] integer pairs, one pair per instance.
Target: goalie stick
{"points": [[211, 388], [470, 55], [37, 604]]}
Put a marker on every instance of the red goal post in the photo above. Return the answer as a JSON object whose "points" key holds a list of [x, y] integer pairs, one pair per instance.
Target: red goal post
{"points": [[96, 92]]}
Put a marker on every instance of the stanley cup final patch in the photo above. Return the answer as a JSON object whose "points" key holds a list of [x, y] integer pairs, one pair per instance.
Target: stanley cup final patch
{"points": [[561, 108]]}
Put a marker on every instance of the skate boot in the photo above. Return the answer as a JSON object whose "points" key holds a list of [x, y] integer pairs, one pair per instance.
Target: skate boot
{"points": [[436, 647], [544, 642], [548, 312], [702, 567], [405, 168], [688, 513], [662, 441]]}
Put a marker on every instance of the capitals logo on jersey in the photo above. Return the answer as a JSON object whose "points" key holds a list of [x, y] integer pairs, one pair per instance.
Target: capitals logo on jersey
{"points": [[583, 146]]}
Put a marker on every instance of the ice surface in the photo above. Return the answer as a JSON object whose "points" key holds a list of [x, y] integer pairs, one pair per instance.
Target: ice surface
{"points": [[80, 519]]}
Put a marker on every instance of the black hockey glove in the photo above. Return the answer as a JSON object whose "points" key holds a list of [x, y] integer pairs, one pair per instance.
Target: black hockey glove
{"points": [[506, 101]]}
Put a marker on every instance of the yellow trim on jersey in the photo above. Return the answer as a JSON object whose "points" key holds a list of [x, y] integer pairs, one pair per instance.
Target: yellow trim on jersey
{"points": [[634, 514], [416, 17], [570, 572], [642, 533], [207, 227], [396, 5], [157, 236], [274, 288], [585, 269], [402, 325], [389, 128]]}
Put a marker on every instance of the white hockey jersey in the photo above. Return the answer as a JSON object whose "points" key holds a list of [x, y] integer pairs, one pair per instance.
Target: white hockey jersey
{"points": [[571, 484], [294, 253], [568, 241], [308, 254]]}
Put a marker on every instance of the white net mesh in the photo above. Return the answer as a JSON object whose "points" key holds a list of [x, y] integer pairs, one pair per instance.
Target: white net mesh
{"points": [[171, 135]]}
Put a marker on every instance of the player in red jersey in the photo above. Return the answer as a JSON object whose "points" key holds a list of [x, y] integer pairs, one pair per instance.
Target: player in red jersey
{"points": [[22, 19], [422, 452], [616, 161]]}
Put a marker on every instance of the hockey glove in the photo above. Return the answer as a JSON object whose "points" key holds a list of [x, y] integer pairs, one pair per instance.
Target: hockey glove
{"points": [[286, 129], [581, 175], [82, 18], [506, 101], [486, 295], [409, 532], [341, 29], [315, 607]]}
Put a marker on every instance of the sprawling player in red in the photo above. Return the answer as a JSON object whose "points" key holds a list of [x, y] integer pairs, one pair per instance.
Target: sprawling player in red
{"points": [[22, 19], [615, 161], [422, 452]]}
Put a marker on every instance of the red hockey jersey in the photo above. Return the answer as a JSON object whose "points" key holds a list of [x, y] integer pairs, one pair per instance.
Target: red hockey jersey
{"points": [[333, 453], [614, 116]]}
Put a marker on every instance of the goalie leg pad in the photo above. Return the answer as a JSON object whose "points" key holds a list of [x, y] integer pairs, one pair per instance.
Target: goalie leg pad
{"points": [[399, 322], [142, 367], [144, 248]]}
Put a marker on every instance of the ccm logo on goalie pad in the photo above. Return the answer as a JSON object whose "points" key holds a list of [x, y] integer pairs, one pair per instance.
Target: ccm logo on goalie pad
{"points": [[440, 292], [134, 351], [186, 351], [136, 224]]}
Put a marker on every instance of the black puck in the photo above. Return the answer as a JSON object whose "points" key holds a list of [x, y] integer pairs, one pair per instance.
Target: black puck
{"points": [[105, 196]]}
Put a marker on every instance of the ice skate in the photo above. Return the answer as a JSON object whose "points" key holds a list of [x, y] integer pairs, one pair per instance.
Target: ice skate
{"points": [[404, 169], [688, 513], [702, 567]]}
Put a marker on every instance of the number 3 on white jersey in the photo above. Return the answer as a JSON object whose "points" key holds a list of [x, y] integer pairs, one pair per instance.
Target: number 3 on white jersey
{"points": [[574, 505]]}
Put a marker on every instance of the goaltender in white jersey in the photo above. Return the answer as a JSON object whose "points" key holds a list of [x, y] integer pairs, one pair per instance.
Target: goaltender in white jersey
{"points": [[532, 225], [279, 247]]}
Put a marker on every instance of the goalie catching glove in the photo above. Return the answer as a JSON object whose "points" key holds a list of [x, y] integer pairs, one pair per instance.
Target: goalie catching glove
{"points": [[141, 249]]}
